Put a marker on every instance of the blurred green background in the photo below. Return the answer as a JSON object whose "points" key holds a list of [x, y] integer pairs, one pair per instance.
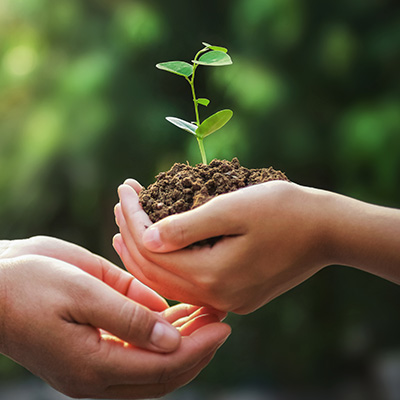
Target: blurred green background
{"points": [[316, 93]]}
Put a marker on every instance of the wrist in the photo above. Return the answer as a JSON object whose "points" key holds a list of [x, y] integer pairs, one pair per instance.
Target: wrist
{"points": [[315, 209], [346, 230], [332, 231], [340, 228], [363, 236]]}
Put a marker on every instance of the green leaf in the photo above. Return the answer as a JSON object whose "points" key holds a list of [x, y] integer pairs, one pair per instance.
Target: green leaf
{"points": [[218, 48], [203, 102], [214, 58], [180, 123], [177, 67], [213, 123]]}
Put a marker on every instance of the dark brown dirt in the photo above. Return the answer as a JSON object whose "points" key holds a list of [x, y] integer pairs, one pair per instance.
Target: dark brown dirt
{"points": [[184, 187]]}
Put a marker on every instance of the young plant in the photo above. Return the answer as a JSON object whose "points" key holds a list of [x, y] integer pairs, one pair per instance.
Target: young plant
{"points": [[212, 56]]}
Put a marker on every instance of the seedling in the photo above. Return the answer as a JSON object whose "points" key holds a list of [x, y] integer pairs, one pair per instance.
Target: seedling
{"points": [[212, 56]]}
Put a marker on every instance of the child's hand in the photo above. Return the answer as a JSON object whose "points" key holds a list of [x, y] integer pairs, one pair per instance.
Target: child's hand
{"points": [[269, 243]]}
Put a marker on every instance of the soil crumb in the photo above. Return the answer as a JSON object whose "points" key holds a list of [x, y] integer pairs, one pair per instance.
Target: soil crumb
{"points": [[184, 187]]}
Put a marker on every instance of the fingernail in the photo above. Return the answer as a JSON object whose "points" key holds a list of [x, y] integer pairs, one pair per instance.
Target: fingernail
{"points": [[165, 337], [117, 210], [151, 238]]}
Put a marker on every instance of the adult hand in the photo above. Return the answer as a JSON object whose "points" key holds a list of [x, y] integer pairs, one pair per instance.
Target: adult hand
{"points": [[273, 236], [73, 319], [122, 281]]}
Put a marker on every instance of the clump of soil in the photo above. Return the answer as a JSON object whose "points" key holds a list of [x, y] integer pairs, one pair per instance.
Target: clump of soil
{"points": [[184, 187]]}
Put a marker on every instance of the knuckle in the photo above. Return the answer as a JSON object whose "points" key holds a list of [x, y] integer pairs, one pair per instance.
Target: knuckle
{"points": [[205, 282], [174, 231], [213, 293], [222, 305], [139, 320], [210, 282]]}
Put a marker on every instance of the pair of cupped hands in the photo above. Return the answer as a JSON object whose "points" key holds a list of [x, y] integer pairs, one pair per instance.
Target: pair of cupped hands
{"points": [[265, 245]]}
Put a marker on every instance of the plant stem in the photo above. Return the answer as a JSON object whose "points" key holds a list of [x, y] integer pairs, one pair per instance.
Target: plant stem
{"points": [[202, 151], [196, 105]]}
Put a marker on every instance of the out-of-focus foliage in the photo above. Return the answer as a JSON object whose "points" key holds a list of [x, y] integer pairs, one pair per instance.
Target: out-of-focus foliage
{"points": [[315, 88]]}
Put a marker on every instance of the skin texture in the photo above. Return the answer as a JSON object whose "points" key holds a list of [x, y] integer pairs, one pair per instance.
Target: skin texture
{"points": [[273, 237], [88, 328]]}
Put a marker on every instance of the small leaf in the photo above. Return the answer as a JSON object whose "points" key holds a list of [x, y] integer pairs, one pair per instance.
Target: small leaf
{"points": [[218, 48], [177, 67], [213, 123], [180, 123], [203, 102], [214, 58]]}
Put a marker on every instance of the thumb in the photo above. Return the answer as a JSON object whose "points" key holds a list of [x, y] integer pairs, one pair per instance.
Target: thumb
{"points": [[213, 219], [107, 309]]}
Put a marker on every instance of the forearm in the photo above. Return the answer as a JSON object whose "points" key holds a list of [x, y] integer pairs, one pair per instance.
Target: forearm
{"points": [[363, 236]]}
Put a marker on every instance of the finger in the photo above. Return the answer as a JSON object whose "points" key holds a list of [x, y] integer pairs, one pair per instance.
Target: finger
{"points": [[150, 273], [180, 314], [210, 310], [132, 225], [146, 296], [63, 251], [125, 246], [102, 307], [96, 266], [93, 264], [193, 324], [127, 250], [133, 183], [165, 282], [104, 270], [133, 211], [117, 212], [137, 290], [175, 313], [218, 217], [129, 258]]}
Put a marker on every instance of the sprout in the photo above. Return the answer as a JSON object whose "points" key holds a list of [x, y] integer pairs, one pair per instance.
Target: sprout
{"points": [[213, 56]]}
